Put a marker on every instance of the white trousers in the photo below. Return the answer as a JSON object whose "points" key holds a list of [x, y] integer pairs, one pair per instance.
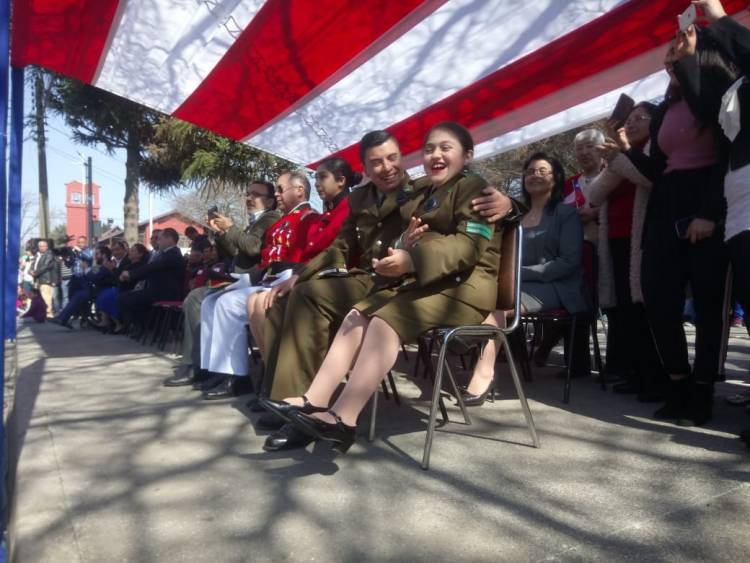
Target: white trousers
{"points": [[223, 334]]}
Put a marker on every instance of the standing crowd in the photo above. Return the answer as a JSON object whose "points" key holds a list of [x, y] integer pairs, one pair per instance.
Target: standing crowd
{"points": [[661, 205]]}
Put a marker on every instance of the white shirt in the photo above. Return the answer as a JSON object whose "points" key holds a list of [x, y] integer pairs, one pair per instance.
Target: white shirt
{"points": [[737, 194]]}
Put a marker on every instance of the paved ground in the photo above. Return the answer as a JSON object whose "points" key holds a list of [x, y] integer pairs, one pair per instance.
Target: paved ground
{"points": [[115, 467]]}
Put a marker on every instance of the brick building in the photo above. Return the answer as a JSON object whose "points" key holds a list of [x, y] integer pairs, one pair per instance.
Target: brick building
{"points": [[75, 207]]}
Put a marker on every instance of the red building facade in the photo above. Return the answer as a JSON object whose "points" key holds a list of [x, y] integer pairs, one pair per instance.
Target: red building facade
{"points": [[75, 206]]}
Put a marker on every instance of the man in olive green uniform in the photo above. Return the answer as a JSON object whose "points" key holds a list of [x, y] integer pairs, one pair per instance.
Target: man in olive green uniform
{"points": [[244, 247], [303, 320]]}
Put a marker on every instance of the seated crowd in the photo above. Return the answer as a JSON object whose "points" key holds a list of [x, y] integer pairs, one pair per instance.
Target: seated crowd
{"points": [[661, 203]]}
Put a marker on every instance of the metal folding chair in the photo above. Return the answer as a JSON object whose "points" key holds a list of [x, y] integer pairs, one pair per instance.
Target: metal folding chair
{"points": [[508, 297]]}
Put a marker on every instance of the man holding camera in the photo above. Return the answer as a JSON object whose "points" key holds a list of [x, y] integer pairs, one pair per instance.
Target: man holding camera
{"points": [[244, 246]]}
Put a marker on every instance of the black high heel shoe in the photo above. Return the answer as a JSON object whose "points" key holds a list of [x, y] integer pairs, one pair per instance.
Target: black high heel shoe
{"points": [[478, 400], [342, 435], [282, 409]]}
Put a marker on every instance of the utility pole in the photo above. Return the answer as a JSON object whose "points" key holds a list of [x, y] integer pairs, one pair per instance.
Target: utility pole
{"points": [[39, 95], [89, 202]]}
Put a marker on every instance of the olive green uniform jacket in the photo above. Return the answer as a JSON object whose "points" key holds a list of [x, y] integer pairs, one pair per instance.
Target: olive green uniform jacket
{"points": [[455, 263], [300, 326], [244, 246]]}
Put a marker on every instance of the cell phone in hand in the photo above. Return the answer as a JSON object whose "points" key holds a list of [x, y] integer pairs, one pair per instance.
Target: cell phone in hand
{"points": [[687, 18], [213, 212], [624, 106], [681, 226]]}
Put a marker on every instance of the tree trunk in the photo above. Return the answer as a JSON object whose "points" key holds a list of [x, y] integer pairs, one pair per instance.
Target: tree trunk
{"points": [[130, 207], [39, 94]]}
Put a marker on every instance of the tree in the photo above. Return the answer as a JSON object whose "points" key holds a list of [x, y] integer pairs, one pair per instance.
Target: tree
{"points": [[195, 203], [101, 118], [29, 217], [59, 235], [216, 168]]}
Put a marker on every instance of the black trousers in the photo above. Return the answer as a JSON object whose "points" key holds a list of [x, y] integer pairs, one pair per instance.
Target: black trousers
{"points": [[631, 326], [669, 265], [135, 305], [739, 255]]}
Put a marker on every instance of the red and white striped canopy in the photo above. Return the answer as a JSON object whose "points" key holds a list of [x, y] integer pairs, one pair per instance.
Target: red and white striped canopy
{"points": [[305, 79]]}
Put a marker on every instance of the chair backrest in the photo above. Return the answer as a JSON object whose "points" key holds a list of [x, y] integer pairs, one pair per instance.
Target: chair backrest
{"points": [[509, 272]]}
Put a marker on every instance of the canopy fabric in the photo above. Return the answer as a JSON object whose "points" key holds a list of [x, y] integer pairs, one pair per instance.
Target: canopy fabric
{"points": [[306, 79]]}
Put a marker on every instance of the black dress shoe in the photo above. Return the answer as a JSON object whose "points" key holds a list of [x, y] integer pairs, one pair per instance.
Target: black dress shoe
{"points": [[288, 437], [232, 386], [478, 400], [183, 376], [342, 435], [255, 406], [269, 421], [282, 409], [208, 381]]}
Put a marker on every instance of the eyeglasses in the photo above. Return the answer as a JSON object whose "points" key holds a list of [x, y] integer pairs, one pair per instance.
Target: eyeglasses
{"points": [[280, 189], [537, 172], [636, 119], [255, 194]]}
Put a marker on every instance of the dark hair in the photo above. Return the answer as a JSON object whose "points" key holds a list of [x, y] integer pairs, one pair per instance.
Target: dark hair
{"points": [[270, 189], [141, 249], [191, 231], [171, 233], [106, 251], [460, 132], [340, 168], [714, 67], [119, 243], [374, 139], [558, 174], [155, 232], [649, 107]]}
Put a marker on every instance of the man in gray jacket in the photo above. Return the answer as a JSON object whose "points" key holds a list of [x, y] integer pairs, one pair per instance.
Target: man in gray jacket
{"points": [[244, 247]]}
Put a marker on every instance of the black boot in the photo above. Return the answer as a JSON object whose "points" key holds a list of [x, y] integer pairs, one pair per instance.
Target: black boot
{"points": [[701, 403], [676, 406]]}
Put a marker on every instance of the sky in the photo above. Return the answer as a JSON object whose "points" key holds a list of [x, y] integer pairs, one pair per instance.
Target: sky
{"points": [[64, 164]]}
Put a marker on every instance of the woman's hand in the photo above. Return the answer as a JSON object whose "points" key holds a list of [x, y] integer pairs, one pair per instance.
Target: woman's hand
{"points": [[699, 229], [413, 232], [494, 205], [270, 297], [685, 43], [609, 150], [395, 265], [712, 9]]}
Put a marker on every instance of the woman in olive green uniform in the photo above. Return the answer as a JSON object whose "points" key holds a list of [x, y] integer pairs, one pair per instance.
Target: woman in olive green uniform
{"points": [[446, 264]]}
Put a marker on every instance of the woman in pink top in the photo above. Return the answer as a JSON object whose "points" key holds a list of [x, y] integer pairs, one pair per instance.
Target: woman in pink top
{"points": [[682, 238]]}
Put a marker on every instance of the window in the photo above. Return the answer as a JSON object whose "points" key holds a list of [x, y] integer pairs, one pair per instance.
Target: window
{"points": [[76, 197]]}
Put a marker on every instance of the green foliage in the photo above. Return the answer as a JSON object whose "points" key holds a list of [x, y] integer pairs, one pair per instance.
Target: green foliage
{"points": [[59, 235], [183, 155], [99, 117]]}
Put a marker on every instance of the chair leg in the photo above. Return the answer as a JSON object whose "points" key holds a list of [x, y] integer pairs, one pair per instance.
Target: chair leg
{"points": [[459, 396], [373, 416], [521, 395], [406, 355], [566, 390], [434, 406], [392, 383], [166, 326], [420, 345], [427, 370], [598, 356]]}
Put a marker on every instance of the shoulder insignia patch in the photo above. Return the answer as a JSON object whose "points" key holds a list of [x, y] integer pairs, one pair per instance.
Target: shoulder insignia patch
{"points": [[474, 228]]}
